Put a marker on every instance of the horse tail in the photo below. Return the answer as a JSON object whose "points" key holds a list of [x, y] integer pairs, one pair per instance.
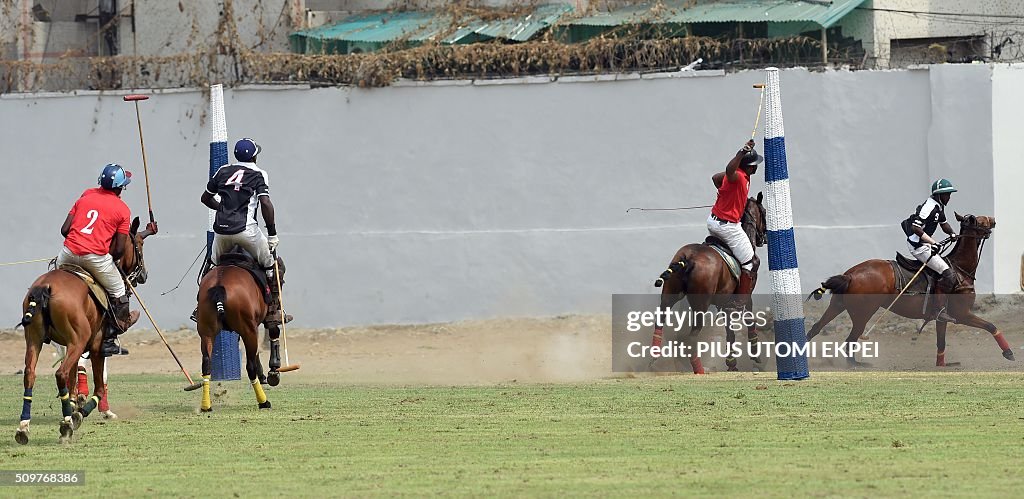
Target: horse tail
{"points": [[38, 300], [217, 296], [837, 284], [681, 268]]}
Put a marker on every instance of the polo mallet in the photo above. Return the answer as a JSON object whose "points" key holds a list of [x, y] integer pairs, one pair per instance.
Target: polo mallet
{"points": [[192, 384], [145, 168], [759, 106], [284, 328]]}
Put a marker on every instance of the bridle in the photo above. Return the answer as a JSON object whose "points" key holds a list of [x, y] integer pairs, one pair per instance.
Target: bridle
{"points": [[139, 269], [985, 233], [760, 237]]}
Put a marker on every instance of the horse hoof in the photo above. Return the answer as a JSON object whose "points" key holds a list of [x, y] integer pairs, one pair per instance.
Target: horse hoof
{"points": [[734, 369], [108, 414], [274, 378], [1008, 354], [208, 409], [80, 400], [76, 420], [265, 405], [21, 437], [66, 432]]}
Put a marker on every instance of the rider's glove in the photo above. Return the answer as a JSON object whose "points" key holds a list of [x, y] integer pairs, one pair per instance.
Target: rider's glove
{"points": [[273, 241]]}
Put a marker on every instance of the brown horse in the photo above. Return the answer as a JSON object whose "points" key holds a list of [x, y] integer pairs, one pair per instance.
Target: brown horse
{"points": [[699, 273], [59, 308], [872, 284], [231, 299]]}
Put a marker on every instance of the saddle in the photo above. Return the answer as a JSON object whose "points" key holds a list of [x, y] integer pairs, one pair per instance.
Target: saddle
{"points": [[723, 250], [99, 295], [240, 258]]}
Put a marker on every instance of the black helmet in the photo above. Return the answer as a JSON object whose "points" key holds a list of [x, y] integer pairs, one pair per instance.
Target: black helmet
{"points": [[752, 158]]}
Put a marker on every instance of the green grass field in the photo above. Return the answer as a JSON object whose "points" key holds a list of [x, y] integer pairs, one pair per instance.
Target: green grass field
{"points": [[722, 435]]}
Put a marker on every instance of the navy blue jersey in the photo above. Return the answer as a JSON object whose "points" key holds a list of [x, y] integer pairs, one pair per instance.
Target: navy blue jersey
{"points": [[239, 185]]}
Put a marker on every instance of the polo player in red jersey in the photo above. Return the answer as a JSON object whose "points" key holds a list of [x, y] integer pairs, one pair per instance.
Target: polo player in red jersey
{"points": [[724, 222]]}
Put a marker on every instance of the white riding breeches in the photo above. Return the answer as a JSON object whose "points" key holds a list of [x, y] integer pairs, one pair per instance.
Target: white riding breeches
{"points": [[251, 239], [101, 267], [924, 255], [733, 235]]}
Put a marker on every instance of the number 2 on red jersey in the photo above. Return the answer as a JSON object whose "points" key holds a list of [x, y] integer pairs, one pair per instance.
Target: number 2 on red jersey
{"points": [[93, 216]]}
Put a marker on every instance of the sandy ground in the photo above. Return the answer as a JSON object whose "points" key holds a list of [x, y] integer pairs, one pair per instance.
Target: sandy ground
{"points": [[560, 349]]}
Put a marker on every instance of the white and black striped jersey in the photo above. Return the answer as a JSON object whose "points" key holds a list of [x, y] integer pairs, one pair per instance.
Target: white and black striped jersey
{"points": [[928, 216], [239, 185]]}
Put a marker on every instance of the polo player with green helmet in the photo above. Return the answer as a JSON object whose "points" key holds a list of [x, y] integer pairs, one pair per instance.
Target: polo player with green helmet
{"points": [[922, 224]]}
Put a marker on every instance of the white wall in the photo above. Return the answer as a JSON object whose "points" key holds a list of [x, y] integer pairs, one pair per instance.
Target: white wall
{"points": [[1007, 109], [440, 202]]}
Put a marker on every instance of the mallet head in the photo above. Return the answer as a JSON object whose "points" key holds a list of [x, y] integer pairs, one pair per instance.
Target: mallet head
{"points": [[756, 85], [135, 97]]}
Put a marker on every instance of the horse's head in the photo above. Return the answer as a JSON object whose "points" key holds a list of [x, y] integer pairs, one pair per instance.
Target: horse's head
{"points": [[754, 221], [980, 227], [132, 263]]}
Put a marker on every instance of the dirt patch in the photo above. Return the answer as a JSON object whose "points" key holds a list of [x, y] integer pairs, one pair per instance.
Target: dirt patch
{"points": [[561, 349], [548, 350]]}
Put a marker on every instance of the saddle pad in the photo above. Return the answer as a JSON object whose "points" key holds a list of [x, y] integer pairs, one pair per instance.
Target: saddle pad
{"points": [[98, 293], [920, 285], [245, 262], [730, 261]]}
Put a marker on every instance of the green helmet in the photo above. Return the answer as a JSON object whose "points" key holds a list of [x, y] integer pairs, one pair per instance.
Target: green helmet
{"points": [[942, 185]]}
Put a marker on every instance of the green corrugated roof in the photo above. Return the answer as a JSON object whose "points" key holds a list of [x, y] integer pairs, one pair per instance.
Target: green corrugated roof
{"points": [[823, 13], [418, 26]]}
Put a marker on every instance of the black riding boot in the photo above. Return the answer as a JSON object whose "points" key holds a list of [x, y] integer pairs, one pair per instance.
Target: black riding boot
{"points": [[948, 284], [111, 347]]}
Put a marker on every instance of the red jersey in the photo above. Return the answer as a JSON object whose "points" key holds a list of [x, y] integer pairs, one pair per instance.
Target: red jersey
{"points": [[96, 217], [732, 197]]}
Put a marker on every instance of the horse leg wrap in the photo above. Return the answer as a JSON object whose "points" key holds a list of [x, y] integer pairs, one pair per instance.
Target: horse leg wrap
{"points": [[65, 403], [83, 381], [206, 405], [261, 397], [695, 363], [730, 362], [104, 404], [656, 341], [26, 405], [940, 359], [275, 354], [90, 405], [1001, 341]]}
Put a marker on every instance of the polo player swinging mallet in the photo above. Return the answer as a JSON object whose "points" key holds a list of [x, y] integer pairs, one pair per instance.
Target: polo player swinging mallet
{"points": [[724, 222]]}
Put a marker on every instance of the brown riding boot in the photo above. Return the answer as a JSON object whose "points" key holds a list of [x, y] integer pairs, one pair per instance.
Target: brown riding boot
{"points": [[273, 318], [748, 279], [123, 317]]}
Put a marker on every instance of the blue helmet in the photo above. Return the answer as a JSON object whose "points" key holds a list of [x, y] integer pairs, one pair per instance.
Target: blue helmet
{"points": [[246, 150], [114, 176]]}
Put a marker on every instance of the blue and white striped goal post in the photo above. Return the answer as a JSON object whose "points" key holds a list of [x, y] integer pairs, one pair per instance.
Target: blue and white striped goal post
{"points": [[226, 358], [782, 263]]}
